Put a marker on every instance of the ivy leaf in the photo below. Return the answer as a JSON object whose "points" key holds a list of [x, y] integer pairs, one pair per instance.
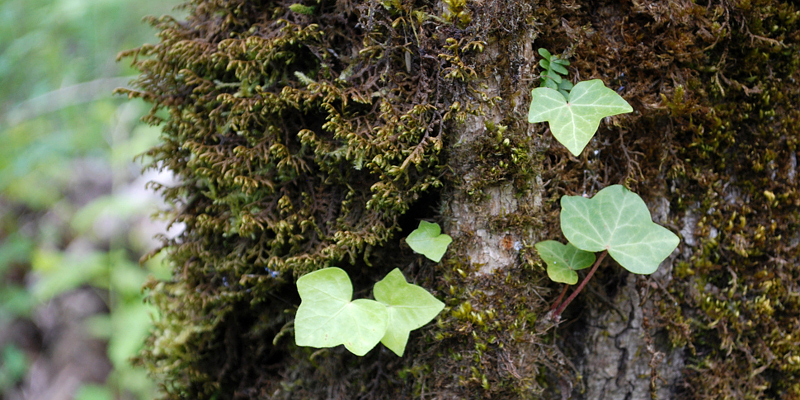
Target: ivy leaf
{"points": [[617, 220], [327, 317], [575, 119], [410, 307], [428, 241], [563, 260]]}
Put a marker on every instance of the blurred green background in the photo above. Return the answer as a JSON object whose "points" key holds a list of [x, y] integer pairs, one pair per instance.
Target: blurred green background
{"points": [[74, 211]]}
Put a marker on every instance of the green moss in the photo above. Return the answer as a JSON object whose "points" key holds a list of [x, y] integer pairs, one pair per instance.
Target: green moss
{"points": [[303, 140], [728, 125], [491, 316], [296, 148]]}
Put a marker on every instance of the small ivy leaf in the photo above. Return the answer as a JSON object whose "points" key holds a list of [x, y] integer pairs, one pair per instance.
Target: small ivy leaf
{"points": [[428, 241], [575, 120], [563, 260], [617, 220], [327, 318], [410, 307], [544, 53]]}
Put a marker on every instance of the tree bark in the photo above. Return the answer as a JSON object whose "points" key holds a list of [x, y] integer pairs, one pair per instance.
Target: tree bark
{"points": [[391, 112]]}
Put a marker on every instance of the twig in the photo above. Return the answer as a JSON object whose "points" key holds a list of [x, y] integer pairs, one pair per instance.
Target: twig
{"points": [[581, 286]]}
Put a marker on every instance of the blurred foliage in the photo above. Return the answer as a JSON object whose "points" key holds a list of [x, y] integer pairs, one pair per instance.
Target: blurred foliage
{"points": [[72, 200]]}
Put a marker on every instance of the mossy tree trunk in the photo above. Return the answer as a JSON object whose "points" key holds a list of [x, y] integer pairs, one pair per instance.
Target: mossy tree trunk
{"points": [[319, 134]]}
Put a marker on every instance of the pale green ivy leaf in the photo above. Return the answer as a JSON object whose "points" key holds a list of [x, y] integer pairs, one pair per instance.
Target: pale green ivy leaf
{"points": [[410, 307], [617, 220], [563, 260], [327, 317], [428, 241], [574, 120]]}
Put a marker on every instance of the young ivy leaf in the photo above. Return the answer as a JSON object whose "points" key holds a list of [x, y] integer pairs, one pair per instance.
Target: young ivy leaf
{"points": [[327, 317], [410, 307], [617, 220], [575, 119], [563, 260], [428, 241]]}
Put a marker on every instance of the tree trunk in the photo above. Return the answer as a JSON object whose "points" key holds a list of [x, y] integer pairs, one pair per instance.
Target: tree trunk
{"points": [[311, 137]]}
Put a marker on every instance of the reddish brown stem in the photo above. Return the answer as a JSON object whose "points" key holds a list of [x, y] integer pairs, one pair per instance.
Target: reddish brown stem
{"points": [[560, 297], [581, 286]]}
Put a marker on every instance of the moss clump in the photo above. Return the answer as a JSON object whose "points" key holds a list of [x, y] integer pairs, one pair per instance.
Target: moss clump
{"points": [[299, 140], [304, 138], [716, 134]]}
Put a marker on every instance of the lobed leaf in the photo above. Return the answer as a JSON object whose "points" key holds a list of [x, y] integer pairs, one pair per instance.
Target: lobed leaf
{"points": [[617, 220], [428, 241], [327, 317], [563, 260], [409, 306], [574, 120]]}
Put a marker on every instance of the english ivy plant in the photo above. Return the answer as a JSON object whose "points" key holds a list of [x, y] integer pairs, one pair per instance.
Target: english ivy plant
{"points": [[575, 118], [429, 241], [409, 306], [563, 260], [328, 317], [615, 221]]}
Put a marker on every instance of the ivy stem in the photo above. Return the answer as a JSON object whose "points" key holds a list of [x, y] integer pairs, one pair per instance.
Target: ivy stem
{"points": [[560, 297], [580, 287]]}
